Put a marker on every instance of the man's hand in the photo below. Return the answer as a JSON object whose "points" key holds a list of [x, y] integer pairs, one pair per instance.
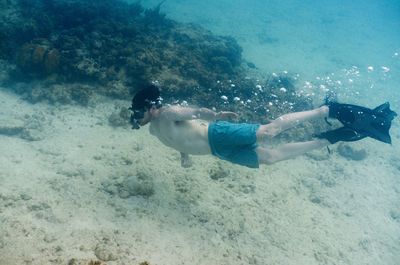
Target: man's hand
{"points": [[185, 160], [226, 115]]}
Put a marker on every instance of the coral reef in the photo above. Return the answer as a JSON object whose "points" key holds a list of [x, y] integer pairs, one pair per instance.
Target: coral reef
{"points": [[38, 59], [71, 50]]}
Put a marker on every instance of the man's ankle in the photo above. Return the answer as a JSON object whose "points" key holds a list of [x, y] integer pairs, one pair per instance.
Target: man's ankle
{"points": [[324, 110]]}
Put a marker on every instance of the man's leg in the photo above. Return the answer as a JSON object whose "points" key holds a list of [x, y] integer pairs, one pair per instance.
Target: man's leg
{"points": [[290, 120], [287, 151]]}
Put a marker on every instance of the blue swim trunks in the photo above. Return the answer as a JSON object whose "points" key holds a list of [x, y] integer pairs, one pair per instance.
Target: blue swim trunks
{"points": [[234, 142]]}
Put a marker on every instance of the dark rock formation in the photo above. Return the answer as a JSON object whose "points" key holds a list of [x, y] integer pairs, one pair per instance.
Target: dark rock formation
{"points": [[67, 50]]}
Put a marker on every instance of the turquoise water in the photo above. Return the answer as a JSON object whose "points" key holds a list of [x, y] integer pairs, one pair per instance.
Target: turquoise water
{"points": [[69, 180], [356, 40]]}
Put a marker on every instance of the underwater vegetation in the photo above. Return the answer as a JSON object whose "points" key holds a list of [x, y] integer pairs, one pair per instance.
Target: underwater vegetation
{"points": [[68, 50]]}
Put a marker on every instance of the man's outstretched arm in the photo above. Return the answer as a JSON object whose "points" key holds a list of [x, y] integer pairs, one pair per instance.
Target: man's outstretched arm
{"points": [[177, 113]]}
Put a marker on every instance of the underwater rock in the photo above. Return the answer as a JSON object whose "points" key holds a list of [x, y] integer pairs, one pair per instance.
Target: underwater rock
{"points": [[120, 119], [25, 196], [34, 128], [247, 188], [140, 184], [110, 187], [316, 198], [218, 172], [30, 127], [38, 59], [42, 210], [85, 262], [88, 68], [8, 200], [136, 186], [39, 206], [116, 89], [351, 153], [105, 252], [327, 180], [56, 93], [395, 215]]}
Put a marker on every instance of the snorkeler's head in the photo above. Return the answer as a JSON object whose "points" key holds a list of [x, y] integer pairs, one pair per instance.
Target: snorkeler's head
{"points": [[144, 100]]}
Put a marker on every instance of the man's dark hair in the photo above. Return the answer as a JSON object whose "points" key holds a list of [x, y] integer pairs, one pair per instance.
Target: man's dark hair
{"points": [[148, 96]]}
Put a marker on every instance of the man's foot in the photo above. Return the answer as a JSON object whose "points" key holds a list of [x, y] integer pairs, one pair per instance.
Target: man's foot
{"points": [[341, 134], [374, 123], [340, 111], [324, 110]]}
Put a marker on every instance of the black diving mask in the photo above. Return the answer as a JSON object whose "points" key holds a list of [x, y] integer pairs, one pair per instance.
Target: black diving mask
{"points": [[135, 117], [138, 114]]}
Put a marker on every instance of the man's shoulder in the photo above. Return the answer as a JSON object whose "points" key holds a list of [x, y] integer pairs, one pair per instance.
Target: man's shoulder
{"points": [[171, 109], [171, 113]]}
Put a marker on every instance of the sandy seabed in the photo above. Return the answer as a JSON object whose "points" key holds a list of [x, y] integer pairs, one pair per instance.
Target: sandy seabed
{"points": [[75, 189]]}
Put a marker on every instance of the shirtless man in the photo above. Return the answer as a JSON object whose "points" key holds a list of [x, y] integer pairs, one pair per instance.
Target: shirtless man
{"points": [[201, 131]]}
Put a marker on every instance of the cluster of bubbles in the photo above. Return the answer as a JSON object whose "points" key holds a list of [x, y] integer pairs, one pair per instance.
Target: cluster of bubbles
{"points": [[346, 83], [257, 91]]}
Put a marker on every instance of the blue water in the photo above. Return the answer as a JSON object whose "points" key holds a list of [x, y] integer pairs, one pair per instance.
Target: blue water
{"points": [[317, 209], [354, 43]]}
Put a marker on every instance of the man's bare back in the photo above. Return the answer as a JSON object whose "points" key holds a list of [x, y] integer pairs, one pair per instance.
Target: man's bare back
{"points": [[185, 136], [183, 129]]}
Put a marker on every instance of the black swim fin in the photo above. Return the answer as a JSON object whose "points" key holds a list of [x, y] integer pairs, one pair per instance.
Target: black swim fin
{"points": [[374, 123], [341, 134]]}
